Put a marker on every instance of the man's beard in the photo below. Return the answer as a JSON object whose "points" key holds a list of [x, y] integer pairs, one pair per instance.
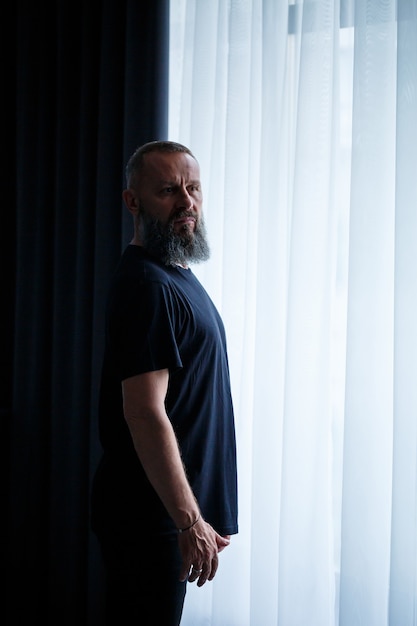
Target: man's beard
{"points": [[174, 248]]}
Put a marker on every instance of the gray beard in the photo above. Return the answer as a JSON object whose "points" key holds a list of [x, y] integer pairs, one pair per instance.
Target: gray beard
{"points": [[172, 248]]}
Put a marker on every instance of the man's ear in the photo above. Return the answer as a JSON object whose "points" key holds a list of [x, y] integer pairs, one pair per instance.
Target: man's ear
{"points": [[131, 201]]}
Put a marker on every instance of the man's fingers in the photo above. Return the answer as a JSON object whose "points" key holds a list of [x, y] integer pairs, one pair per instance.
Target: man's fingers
{"points": [[203, 552], [195, 573], [214, 566], [202, 574]]}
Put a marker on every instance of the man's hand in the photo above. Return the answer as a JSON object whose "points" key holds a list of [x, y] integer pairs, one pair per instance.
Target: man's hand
{"points": [[199, 547]]}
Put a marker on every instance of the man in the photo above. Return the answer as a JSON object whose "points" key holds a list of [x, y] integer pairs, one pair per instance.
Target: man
{"points": [[164, 500]]}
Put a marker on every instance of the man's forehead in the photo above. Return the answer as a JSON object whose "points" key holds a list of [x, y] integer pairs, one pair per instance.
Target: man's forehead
{"points": [[169, 165]]}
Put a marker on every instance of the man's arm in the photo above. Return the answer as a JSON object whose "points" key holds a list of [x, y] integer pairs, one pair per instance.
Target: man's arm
{"points": [[157, 448]]}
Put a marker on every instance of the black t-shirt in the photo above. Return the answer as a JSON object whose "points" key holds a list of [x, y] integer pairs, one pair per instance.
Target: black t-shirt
{"points": [[161, 317]]}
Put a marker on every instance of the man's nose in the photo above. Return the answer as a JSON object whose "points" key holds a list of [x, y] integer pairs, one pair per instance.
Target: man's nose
{"points": [[184, 199]]}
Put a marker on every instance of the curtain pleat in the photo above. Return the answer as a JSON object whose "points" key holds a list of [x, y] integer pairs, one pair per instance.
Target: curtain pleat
{"points": [[91, 85], [403, 567], [367, 471]]}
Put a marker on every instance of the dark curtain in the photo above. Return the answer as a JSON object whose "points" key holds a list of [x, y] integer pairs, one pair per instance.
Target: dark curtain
{"points": [[90, 80]]}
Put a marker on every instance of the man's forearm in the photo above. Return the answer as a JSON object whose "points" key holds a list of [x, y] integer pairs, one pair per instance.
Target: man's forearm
{"points": [[157, 448]]}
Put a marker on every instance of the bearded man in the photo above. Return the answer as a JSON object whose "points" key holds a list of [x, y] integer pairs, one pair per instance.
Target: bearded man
{"points": [[164, 498]]}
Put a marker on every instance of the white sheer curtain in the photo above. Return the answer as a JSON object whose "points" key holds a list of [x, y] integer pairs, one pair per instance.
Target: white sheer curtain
{"points": [[304, 119]]}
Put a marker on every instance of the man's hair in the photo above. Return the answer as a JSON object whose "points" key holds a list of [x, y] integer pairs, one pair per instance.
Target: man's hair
{"points": [[135, 163]]}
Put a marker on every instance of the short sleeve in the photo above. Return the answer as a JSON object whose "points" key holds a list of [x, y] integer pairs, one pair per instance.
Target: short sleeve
{"points": [[141, 329]]}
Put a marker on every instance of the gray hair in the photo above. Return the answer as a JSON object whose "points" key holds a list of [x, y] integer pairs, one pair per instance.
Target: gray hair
{"points": [[135, 163]]}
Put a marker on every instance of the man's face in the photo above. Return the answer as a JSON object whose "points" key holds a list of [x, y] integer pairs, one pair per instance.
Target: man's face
{"points": [[170, 189], [170, 208]]}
